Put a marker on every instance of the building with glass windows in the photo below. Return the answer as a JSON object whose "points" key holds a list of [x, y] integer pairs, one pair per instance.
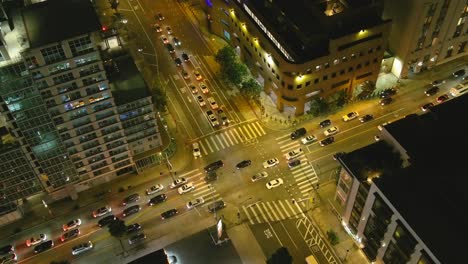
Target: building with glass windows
{"points": [[403, 198], [426, 33], [301, 50]]}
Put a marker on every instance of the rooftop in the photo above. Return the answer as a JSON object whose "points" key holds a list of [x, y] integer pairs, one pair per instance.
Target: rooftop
{"points": [[55, 20], [430, 194], [126, 82], [304, 27]]}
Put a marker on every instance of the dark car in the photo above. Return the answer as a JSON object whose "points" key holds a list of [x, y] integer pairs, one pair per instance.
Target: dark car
{"points": [[427, 106], [70, 234], [327, 141], [170, 48], [366, 118], [337, 155], [243, 164], [133, 228], [388, 92], [214, 166], [294, 163], [43, 246], [432, 91], [136, 238], [160, 17], [131, 199], [442, 98], [298, 133], [386, 101], [169, 213], [211, 176], [131, 210], [325, 123], [459, 73], [185, 57], [178, 62], [106, 220], [6, 249], [218, 205], [157, 199]]}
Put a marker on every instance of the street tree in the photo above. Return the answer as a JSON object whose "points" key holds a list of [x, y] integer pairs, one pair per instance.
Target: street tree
{"points": [[226, 56], [341, 99], [318, 106], [281, 256], [159, 100], [118, 229], [251, 88], [235, 73]]}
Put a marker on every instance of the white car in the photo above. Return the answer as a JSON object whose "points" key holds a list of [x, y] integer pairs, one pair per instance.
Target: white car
{"points": [[308, 140], [204, 88], [36, 240], [195, 203], [331, 131], [196, 150], [82, 248], [259, 176], [350, 116], [186, 188], [178, 182], [102, 211], [293, 153], [72, 224], [212, 103], [154, 189], [212, 118], [270, 163], [274, 183]]}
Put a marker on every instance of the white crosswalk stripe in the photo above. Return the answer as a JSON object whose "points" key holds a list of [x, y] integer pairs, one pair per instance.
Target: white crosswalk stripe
{"points": [[271, 211], [231, 136]]}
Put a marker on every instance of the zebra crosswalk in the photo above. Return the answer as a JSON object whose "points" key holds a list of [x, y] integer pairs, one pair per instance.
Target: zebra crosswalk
{"points": [[245, 134], [304, 174], [262, 212], [202, 189]]}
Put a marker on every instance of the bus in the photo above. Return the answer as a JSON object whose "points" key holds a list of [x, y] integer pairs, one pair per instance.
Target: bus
{"points": [[311, 260], [460, 89]]}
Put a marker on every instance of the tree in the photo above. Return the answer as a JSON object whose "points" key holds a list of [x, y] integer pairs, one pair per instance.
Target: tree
{"points": [[235, 73], [281, 256], [341, 99], [118, 229], [332, 237], [226, 56], [318, 106], [159, 100], [251, 88]]}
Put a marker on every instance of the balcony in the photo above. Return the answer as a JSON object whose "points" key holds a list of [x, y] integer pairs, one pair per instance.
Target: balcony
{"points": [[107, 122], [91, 145], [79, 123], [118, 151], [84, 130], [112, 137], [110, 130], [115, 144], [88, 137], [103, 115], [96, 159], [93, 152]]}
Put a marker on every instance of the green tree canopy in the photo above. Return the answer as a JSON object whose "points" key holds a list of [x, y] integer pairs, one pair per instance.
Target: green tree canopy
{"points": [[235, 73], [159, 100], [251, 88], [118, 229], [318, 106], [226, 56]]}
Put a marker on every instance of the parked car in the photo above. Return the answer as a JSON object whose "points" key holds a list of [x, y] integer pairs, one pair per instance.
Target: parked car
{"points": [[216, 206], [44, 246], [308, 140], [36, 240], [194, 203], [133, 228], [331, 131], [350, 116], [386, 101], [106, 220], [243, 164], [459, 73], [80, 248], [154, 189], [131, 210], [7, 249], [178, 182], [327, 141], [169, 213], [298, 133], [136, 238], [388, 92], [72, 224], [442, 98], [131, 199], [186, 188], [270, 163], [293, 163], [366, 118], [212, 118], [432, 91], [157, 199], [102, 211], [427, 106], [259, 176], [224, 119], [70, 234], [437, 82], [8, 258], [274, 183], [325, 123]]}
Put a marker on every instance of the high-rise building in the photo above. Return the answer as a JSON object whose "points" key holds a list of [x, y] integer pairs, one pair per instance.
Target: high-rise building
{"points": [[304, 49], [404, 198], [426, 33]]}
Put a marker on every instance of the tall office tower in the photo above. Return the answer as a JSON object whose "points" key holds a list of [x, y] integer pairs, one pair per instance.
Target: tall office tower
{"points": [[426, 33], [300, 50]]}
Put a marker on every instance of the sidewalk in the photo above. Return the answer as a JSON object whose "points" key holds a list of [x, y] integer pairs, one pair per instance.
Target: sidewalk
{"points": [[246, 244]]}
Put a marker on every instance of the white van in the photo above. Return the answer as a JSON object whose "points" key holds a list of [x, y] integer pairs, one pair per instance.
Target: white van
{"points": [[459, 89], [311, 260]]}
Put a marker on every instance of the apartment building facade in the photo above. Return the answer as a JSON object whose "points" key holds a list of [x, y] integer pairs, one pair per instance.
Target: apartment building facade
{"points": [[426, 33], [301, 50]]}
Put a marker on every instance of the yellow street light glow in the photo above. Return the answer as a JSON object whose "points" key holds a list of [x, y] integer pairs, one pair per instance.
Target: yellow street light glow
{"points": [[243, 24]]}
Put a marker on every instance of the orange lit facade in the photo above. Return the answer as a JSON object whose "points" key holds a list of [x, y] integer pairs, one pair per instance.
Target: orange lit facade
{"points": [[296, 66]]}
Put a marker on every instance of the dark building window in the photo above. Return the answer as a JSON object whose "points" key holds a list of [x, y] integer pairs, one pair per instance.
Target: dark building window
{"points": [[325, 77], [290, 87], [316, 80], [333, 75], [299, 86], [350, 69], [307, 83]]}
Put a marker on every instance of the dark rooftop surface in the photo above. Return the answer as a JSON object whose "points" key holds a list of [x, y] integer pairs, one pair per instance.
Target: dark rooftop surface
{"points": [[431, 193], [303, 28], [54, 20], [126, 82]]}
